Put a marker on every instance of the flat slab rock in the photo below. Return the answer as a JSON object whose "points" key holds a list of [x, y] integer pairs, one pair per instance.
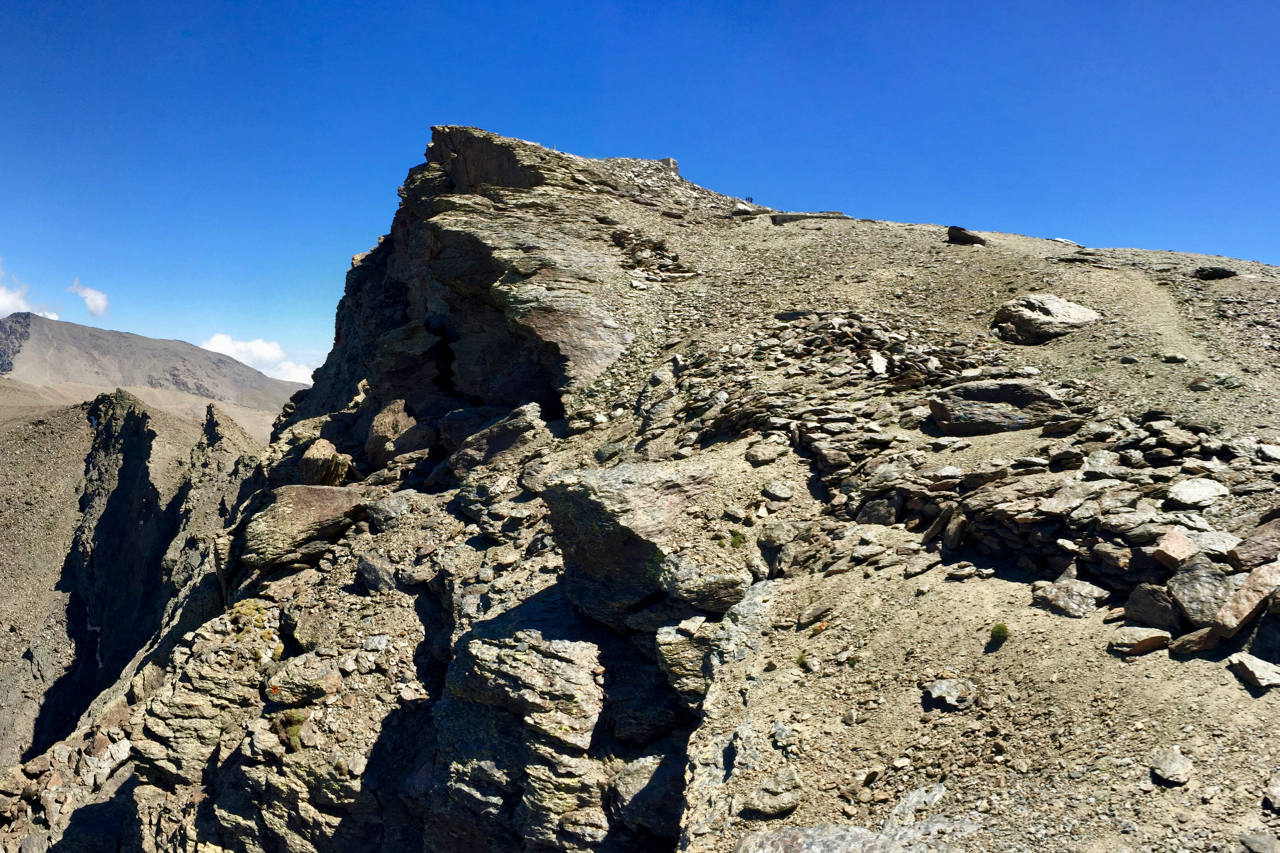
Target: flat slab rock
{"points": [[1197, 493], [991, 406], [1253, 670], [1074, 598], [1138, 641]]}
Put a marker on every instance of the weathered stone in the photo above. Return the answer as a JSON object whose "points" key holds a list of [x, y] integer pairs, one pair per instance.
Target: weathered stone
{"points": [[299, 524], [1197, 493], [1071, 597], [304, 679], [387, 425], [956, 693], [322, 465], [1200, 590], [1138, 641], [1259, 840], [682, 654], [1254, 670], [1169, 765], [614, 525], [779, 793], [1040, 317], [1152, 606], [1259, 547], [1201, 640], [1247, 601], [1174, 548], [713, 588], [962, 237], [649, 794], [512, 439], [764, 452], [376, 573], [985, 407], [814, 613]]}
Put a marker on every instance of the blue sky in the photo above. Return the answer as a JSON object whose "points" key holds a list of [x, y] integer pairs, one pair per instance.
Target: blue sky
{"points": [[208, 169]]}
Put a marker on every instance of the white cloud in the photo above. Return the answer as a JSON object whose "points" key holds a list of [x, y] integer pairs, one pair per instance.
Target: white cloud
{"points": [[14, 300], [267, 356], [94, 300]]}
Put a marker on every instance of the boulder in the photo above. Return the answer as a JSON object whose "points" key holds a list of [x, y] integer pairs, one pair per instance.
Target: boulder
{"points": [[387, 425], [1259, 547], [960, 237], [299, 525], [1040, 317], [1196, 493], [322, 465], [1138, 641], [511, 439], [1152, 606], [616, 527], [991, 406]]}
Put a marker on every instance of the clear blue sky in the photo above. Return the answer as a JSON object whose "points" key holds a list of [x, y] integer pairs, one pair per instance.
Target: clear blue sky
{"points": [[211, 167]]}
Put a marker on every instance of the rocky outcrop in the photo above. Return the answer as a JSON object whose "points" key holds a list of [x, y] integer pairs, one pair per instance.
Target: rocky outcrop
{"points": [[555, 558]]}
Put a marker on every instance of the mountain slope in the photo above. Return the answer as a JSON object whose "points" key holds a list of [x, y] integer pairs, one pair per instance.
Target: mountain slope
{"points": [[79, 362], [625, 516]]}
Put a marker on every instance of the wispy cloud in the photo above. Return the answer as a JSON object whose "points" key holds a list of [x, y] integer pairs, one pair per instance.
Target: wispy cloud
{"points": [[267, 356], [13, 300], [94, 300]]}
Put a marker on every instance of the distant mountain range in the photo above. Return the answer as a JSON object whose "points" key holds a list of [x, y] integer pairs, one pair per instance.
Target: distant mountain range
{"points": [[70, 363]]}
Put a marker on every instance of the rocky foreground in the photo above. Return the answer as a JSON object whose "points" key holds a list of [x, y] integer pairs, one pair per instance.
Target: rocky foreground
{"points": [[625, 516]]}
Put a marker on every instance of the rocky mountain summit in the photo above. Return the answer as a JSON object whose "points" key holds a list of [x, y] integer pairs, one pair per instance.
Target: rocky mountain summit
{"points": [[625, 516], [70, 362]]}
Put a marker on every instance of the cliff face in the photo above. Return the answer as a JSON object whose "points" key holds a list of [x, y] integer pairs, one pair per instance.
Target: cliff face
{"points": [[624, 516]]}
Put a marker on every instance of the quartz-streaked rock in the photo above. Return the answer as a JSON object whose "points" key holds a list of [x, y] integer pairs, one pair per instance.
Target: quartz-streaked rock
{"points": [[1197, 493], [1039, 317]]}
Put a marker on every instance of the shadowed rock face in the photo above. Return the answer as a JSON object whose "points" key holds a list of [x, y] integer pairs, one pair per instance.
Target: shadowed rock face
{"points": [[463, 305]]}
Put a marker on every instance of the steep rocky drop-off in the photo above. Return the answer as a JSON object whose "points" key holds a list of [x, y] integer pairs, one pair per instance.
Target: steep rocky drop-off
{"points": [[625, 516]]}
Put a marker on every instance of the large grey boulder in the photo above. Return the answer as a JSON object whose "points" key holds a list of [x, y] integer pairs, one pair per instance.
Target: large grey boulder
{"points": [[616, 527], [299, 525], [991, 406], [1039, 317]]}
